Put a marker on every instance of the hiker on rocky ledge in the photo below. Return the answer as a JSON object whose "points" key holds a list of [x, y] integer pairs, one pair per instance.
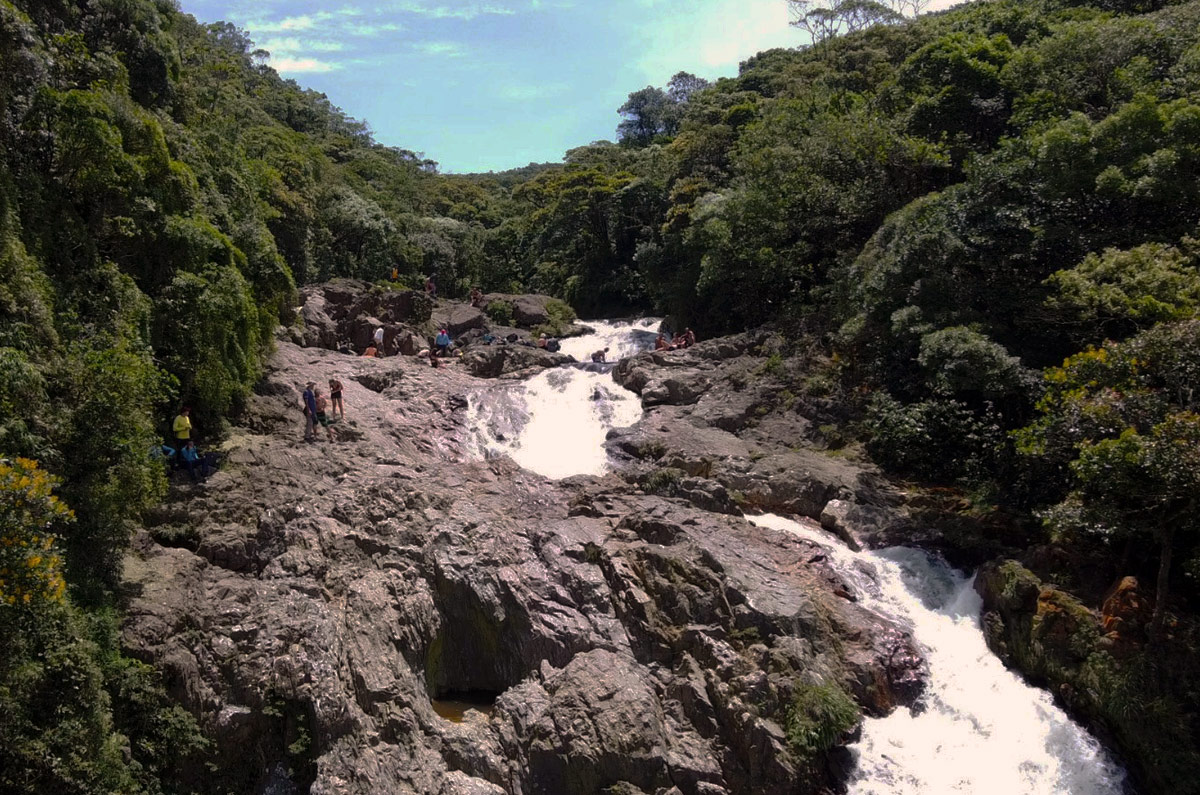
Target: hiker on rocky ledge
{"points": [[442, 342], [194, 461], [323, 418], [476, 297], [600, 356], [310, 412], [336, 407], [181, 430]]}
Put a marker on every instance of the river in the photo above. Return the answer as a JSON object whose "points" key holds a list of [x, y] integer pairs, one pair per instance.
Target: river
{"points": [[978, 728]]}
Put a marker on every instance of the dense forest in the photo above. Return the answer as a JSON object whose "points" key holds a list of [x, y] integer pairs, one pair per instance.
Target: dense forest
{"points": [[986, 220]]}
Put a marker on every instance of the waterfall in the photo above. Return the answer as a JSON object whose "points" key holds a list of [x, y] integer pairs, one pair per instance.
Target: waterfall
{"points": [[979, 727], [555, 423]]}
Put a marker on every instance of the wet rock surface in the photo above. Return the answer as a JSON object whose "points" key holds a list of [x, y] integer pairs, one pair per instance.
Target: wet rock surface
{"points": [[310, 600]]}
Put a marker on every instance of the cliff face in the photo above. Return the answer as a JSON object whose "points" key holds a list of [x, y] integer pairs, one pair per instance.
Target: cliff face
{"points": [[311, 601]]}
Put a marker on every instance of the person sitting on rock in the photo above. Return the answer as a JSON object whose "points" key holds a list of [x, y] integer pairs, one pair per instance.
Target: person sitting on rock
{"points": [[553, 345], [541, 343], [371, 352], [442, 342], [336, 406], [322, 415], [476, 297], [661, 344], [689, 338], [600, 356], [194, 461], [163, 452], [433, 361]]}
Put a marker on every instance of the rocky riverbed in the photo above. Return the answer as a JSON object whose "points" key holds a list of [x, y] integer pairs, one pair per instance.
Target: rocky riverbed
{"points": [[626, 633]]}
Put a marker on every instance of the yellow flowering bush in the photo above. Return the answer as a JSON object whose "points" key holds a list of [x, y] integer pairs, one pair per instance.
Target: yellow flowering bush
{"points": [[30, 566]]}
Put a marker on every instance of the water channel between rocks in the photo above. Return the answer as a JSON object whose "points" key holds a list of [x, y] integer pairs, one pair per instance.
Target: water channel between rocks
{"points": [[978, 729]]}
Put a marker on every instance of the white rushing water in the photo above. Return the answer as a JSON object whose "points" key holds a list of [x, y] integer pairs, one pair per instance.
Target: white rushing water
{"points": [[555, 423], [981, 729]]}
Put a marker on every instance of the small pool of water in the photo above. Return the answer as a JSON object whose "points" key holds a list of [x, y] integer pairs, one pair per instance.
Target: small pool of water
{"points": [[455, 706]]}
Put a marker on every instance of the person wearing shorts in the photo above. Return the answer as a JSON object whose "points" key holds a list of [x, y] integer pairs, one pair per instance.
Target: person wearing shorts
{"points": [[337, 409], [323, 417]]}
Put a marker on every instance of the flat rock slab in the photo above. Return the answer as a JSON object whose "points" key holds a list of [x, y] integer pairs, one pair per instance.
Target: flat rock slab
{"points": [[626, 637]]}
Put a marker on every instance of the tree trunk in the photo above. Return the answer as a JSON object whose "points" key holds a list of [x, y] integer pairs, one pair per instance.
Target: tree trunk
{"points": [[1164, 582]]}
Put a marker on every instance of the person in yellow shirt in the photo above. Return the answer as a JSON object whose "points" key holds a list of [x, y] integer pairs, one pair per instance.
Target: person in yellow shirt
{"points": [[183, 426]]}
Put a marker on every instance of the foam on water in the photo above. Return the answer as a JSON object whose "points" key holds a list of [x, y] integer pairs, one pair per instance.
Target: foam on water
{"points": [[981, 729], [555, 423]]}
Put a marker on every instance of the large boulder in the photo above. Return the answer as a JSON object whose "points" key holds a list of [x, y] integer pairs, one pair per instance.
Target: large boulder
{"points": [[527, 310], [320, 330], [493, 361], [458, 318]]}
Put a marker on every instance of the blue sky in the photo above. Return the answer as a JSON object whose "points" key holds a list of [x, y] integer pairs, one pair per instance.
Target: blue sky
{"points": [[482, 85]]}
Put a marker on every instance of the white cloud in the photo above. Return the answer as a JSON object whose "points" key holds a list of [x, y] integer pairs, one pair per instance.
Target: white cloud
{"points": [[288, 24], [444, 49], [711, 39], [528, 92], [367, 29], [298, 65], [294, 45], [465, 11]]}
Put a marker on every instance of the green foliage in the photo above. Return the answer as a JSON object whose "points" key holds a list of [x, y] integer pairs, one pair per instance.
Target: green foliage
{"points": [[1114, 294], [561, 317], [662, 481], [500, 312], [56, 732], [960, 361], [1121, 423], [936, 440], [817, 719], [30, 567]]}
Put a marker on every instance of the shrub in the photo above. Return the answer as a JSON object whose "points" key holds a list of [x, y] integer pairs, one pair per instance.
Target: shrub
{"points": [[662, 481], [31, 571], [938, 440], [816, 720], [500, 312]]}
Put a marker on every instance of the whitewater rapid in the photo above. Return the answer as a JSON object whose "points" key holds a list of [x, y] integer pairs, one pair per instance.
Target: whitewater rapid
{"points": [[555, 423], [980, 728]]}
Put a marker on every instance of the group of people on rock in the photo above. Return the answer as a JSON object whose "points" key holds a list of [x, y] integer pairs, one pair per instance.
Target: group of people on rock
{"points": [[549, 343], [686, 339], [322, 411], [180, 451]]}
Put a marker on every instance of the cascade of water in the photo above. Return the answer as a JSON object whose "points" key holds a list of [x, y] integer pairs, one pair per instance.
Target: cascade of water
{"points": [[555, 423], [981, 729]]}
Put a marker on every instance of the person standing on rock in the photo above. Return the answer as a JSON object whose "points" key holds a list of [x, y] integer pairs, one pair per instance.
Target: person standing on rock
{"points": [[336, 407], [442, 342], [182, 429], [431, 288], [379, 340], [476, 297], [322, 413], [310, 412]]}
